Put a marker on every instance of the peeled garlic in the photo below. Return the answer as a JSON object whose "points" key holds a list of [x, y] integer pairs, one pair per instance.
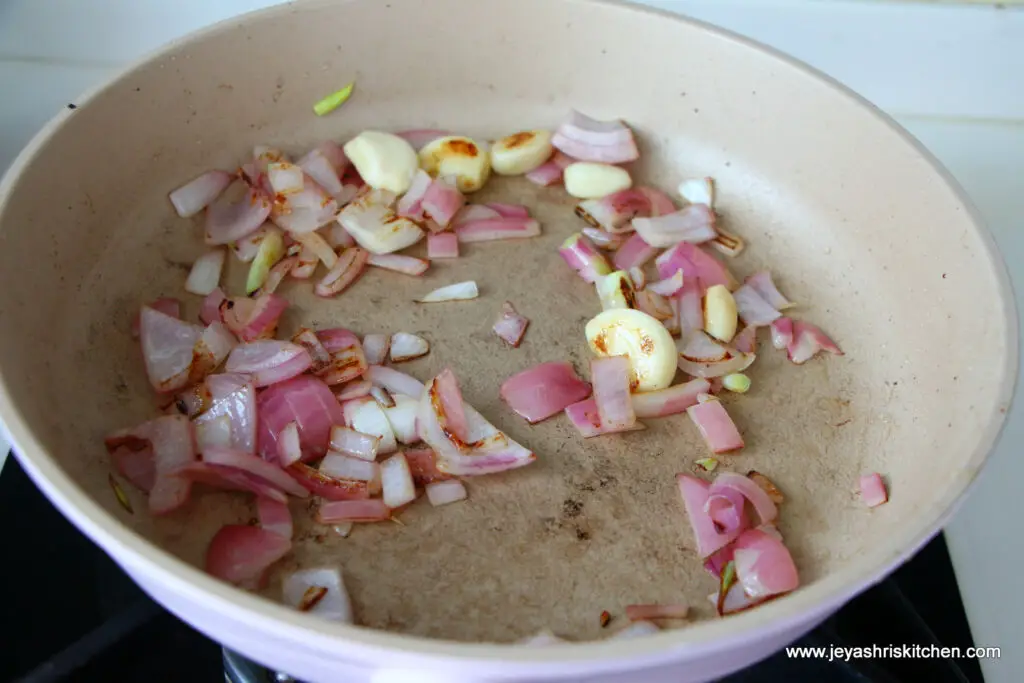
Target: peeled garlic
{"points": [[459, 157], [615, 290], [270, 251], [522, 152], [385, 161], [641, 338], [720, 318], [591, 180]]}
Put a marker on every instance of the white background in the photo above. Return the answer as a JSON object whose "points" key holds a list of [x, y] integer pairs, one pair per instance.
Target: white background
{"points": [[949, 72]]}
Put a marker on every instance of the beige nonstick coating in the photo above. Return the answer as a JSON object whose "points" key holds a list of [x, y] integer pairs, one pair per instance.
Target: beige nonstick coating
{"points": [[874, 243]]}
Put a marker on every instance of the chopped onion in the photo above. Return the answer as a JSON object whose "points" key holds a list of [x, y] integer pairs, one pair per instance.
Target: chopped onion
{"points": [[410, 205], [585, 418], [209, 311], [289, 449], [305, 264], [605, 240], [171, 442], [397, 483], [695, 262], [614, 212], [587, 139], [550, 172], [318, 166], [753, 310], [402, 418], [611, 378], [510, 326], [382, 397], [633, 253], [375, 348], [769, 487], [348, 361], [442, 201], [695, 497], [808, 340], [510, 210], [497, 229], [670, 286], [285, 178], [694, 223], [442, 245], [762, 283], [745, 340], [543, 390], [213, 433], [661, 203], [675, 399], [374, 225], [749, 489], [228, 479], [348, 268], [196, 194], [702, 356], [319, 246], [241, 554], [353, 511], [645, 612], [715, 425], [656, 306], [449, 407], [341, 466], [394, 381], [735, 600], [321, 359], [304, 211], [356, 444], [639, 278], [326, 487], [690, 307], [699, 191], [134, 461], [274, 516], [167, 347], [405, 346], [354, 389], [727, 508], [457, 292], [337, 237], [233, 397], [334, 605], [245, 248], [205, 274], [726, 242], [423, 465], [210, 351], [474, 212], [256, 467], [782, 333], [308, 402], [445, 492], [253, 319], [365, 415], [408, 265], [582, 256], [277, 274], [872, 490], [236, 214], [269, 361], [764, 566]]}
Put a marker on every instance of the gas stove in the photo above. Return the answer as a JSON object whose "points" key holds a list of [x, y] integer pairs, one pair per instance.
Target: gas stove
{"points": [[72, 615]]}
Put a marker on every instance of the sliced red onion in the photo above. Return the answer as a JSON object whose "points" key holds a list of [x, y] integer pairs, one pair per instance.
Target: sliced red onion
{"points": [[449, 406], [510, 326], [245, 249], [333, 604], [354, 389], [337, 237], [396, 480], [605, 240], [695, 262], [585, 418], [308, 402], [582, 256], [587, 139], [328, 488], [289, 448], [509, 210], [253, 319], [348, 361], [277, 274], [402, 418], [228, 479], [405, 346], [543, 390], [167, 347], [726, 242], [241, 554], [421, 137], [318, 167], [134, 461], [485, 450], [316, 244], [410, 205], [210, 351], [753, 309], [715, 425], [198, 193], [304, 211], [318, 354], [382, 397], [423, 465], [703, 356], [445, 492], [726, 508], [165, 305], [872, 490], [237, 213], [661, 204], [690, 307], [497, 229], [633, 253], [763, 284], [550, 172], [655, 305], [694, 223], [356, 444], [394, 381], [474, 212], [747, 488], [639, 278], [233, 397], [735, 601], [695, 496], [285, 178], [745, 340], [442, 201], [269, 361], [646, 612], [782, 333], [375, 348], [442, 245], [339, 466], [365, 415], [213, 433], [353, 511], [274, 516], [764, 566], [305, 263], [408, 265], [461, 291], [808, 340], [256, 467], [611, 378], [348, 268], [171, 442], [670, 286], [675, 399], [614, 212]]}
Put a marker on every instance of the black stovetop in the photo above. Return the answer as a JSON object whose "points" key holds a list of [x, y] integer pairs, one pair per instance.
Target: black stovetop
{"points": [[72, 615]]}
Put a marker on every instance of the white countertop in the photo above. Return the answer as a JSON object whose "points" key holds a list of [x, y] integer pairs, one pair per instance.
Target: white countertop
{"points": [[948, 72]]}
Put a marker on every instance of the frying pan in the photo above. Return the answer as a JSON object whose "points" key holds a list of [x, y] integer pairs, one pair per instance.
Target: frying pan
{"points": [[864, 229]]}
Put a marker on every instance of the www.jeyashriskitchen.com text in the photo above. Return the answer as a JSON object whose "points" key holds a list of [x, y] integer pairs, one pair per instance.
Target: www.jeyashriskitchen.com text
{"points": [[835, 653]]}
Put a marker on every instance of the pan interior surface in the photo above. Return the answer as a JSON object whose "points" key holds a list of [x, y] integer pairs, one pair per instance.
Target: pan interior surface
{"points": [[854, 221]]}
